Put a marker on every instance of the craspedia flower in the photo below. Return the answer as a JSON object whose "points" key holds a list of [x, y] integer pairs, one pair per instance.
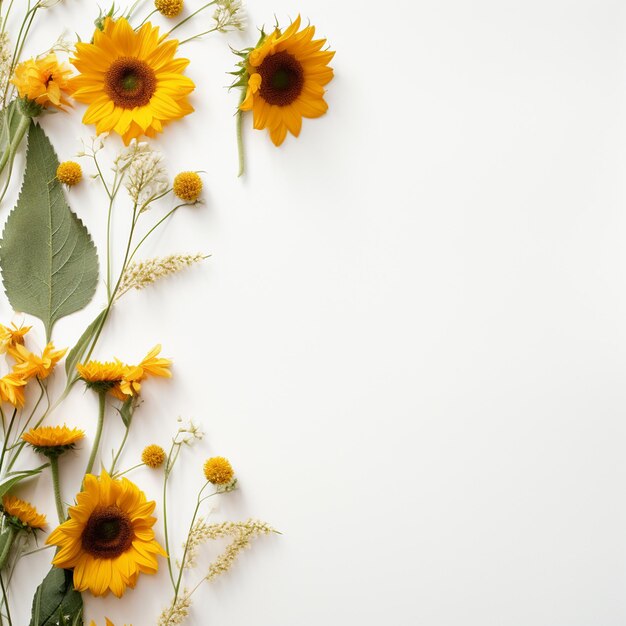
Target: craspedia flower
{"points": [[53, 440], [43, 81], [108, 539], [188, 186], [153, 456], [22, 514], [219, 471], [169, 8], [131, 80], [287, 74], [69, 173]]}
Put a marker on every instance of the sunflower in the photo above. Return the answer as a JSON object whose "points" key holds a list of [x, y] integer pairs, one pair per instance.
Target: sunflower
{"points": [[43, 81], [287, 74], [108, 539], [22, 513], [130, 80], [53, 440]]}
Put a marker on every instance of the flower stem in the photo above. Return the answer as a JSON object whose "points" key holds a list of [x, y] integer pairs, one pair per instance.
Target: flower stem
{"points": [[240, 147], [15, 142], [56, 483], [96, 443], [188, 18], [8, 543]]}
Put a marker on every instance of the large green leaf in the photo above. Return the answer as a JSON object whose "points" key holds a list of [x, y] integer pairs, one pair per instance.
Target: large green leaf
{"points": [[56, 601], [76, 354], [49, 262]]}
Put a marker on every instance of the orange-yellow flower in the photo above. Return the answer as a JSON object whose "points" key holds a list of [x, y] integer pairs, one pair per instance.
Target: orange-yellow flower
{"points": [[108, 539], [12, 389], [10, 337], [131, 80], [287, 75], [30, 365], [23, 513], [151, 365], [43, 81]]}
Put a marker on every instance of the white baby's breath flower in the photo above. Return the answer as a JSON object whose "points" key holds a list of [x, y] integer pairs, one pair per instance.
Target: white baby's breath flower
{"points": [[229, 15], [146, 178]]}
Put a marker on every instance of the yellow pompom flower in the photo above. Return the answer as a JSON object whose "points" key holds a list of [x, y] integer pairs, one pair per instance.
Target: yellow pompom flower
{"points": [[153, 456], [130, 80], [69, 173], [53, 441], [43, 81], [108, 539], [169, 8], [188, 186], [219, 471], [29, 364], [22, 513], [287, 75]]}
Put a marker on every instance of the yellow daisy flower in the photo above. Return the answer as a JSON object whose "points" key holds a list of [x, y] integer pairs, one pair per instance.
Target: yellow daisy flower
{"points": [[131, 81], [102, 376], [219, 471], [10, 337], [287, 74], [108, 539], [23, 513], [12, 389], [43, 81], [151, 365], [29, 364], [53, 440]]}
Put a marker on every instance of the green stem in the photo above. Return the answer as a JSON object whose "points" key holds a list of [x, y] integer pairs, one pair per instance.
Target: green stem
{"points": [[188, 18], [6, 601], [130, 469], [206, 32], [119, 452], [168, 468], [6, 439], [6, 548], [240, 147], [15, 142], [96, 443], [56, 483]]}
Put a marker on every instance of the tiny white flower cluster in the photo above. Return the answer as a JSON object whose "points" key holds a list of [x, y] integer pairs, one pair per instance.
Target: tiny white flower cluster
{"points": [[176, 613], [146, 178], [5, 60], [188, 433], [229, 15], [139, 275]]}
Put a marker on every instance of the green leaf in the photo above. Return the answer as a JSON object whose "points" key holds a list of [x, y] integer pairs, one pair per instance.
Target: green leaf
{"points": [[56, 601], [18, 477], [49, 262], [76, 354]]}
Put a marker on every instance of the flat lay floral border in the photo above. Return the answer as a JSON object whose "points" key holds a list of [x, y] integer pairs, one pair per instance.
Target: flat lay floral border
{"points": [[127, 79]]}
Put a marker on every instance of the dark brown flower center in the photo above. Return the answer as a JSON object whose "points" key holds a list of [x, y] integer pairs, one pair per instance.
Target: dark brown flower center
{"points": [[130, 82], [108, 533], [282, 79]]}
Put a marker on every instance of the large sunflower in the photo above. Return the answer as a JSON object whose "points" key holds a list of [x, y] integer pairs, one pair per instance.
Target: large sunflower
{"points": [[287, 73], [108, 539], [130, 80]]}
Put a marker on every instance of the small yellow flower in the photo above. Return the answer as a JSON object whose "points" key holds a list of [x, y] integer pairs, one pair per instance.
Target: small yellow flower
{"points": [[101, 376], [10, 337], [29, 364], [43, 81], [53, 440], [151, 365], [219, 471], [12, 389], [169, 8], [153, 456], [188, 186], [23, 513], [69, 173]]}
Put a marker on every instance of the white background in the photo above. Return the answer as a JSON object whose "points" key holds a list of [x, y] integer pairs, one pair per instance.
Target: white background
{"points": [[411, 337]]}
